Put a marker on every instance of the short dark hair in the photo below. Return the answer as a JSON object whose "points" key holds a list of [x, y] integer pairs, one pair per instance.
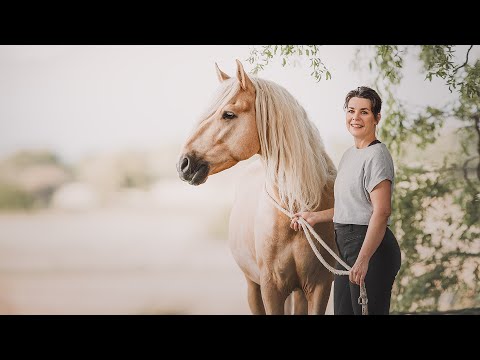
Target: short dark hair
{"points": [[365, 93]]}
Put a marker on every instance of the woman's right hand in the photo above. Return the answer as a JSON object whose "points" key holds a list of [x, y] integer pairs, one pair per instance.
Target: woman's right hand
{"points": [[309, 216]]}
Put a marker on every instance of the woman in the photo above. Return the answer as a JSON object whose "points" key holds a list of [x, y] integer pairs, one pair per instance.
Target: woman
{"points": [[361, 213]]}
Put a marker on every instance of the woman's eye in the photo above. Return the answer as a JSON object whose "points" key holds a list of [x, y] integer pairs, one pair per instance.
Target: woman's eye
{"points": [[228, 115]]}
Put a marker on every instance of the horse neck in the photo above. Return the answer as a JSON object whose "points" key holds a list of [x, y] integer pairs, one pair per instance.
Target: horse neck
{"points": [[272, 189]]}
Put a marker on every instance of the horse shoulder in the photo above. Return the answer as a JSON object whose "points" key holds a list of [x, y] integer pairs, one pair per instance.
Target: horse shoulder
{"points": [[241, 237]]}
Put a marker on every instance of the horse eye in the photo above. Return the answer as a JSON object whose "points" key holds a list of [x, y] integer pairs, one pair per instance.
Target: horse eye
{"points": [[228, 115]]}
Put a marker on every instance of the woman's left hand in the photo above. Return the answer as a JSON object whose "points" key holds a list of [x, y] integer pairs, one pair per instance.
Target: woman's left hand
{"points": [[359, 271]]}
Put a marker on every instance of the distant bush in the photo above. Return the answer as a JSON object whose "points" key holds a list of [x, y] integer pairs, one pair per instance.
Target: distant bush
{"points": [[13, 197], [25, 158], [111, 172]]}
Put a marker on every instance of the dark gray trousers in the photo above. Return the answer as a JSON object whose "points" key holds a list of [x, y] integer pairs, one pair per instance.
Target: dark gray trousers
{"points": [[382, 269]]}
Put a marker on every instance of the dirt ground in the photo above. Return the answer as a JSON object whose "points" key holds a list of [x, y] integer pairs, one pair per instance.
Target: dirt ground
{"points": [[115, 262]]}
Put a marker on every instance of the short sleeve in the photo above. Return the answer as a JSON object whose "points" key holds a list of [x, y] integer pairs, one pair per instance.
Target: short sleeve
{"points": [[377, 169]]}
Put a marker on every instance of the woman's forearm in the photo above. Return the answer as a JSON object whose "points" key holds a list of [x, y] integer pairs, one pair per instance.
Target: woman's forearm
{"points": [[375, 233], [324, 216], [312, 217]]}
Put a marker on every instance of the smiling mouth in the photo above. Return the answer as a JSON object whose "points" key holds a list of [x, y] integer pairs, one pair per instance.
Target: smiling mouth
{"points": [[356, 126]]}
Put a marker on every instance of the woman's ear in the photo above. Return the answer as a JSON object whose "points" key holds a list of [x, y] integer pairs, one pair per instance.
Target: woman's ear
{"points": [[379, 116]]}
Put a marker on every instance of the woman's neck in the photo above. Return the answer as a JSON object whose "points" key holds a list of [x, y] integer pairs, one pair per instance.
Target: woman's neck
{"points": [[364, 142]]}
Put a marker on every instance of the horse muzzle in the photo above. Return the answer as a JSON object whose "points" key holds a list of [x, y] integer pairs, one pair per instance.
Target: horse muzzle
{"points": [[192, 169]]}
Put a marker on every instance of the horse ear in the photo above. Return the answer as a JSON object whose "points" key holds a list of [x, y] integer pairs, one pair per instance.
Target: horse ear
{"points": [[220, 74], [245, 81]]}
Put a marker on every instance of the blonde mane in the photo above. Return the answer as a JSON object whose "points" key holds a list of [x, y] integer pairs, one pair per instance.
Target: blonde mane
{"points": [[291, 148]]}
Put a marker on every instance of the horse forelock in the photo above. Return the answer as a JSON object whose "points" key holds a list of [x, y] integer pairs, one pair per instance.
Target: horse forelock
{"points": [[225, 92], [291, 147]]}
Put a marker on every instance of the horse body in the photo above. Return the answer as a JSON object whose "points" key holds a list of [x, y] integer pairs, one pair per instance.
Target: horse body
{"points": [[272, 256], [275, 259]]}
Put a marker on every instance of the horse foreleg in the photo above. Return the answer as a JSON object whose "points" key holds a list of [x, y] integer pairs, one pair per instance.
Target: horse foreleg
{"points": [[273, 299], [296, 303], [317, 303], [300, 304], [288, 306], [255, 298]]}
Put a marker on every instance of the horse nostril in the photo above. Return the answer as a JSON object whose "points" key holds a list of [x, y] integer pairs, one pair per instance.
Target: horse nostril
{"points": [[184, 164]]}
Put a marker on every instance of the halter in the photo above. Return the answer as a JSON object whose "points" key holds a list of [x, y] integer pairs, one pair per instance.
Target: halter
{"points": [[362, 300]]}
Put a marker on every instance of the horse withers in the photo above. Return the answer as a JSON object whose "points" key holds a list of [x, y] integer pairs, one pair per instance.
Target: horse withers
{"points": [[250, 116]]}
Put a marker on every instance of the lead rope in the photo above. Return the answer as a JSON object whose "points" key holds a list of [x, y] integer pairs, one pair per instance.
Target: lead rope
{"points": [[362, 300]]}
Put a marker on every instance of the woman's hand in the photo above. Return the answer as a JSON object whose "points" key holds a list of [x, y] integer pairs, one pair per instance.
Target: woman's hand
{"points": [[309, 216], [359, 271]]}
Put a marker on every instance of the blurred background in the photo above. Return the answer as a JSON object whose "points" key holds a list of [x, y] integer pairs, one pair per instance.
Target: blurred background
{"points": [[93, 216]]}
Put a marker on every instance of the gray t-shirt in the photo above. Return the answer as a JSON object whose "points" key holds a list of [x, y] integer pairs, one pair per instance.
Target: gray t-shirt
{"points": [[359, 171]]}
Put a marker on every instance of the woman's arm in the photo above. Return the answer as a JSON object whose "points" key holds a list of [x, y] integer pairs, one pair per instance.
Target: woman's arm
{"points": [[312, 217], [381, 201]]}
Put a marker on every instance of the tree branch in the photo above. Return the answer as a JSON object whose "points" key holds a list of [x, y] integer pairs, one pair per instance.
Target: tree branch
{"points": [[466, 60], [442, 170], [454, 254], [477, 129], [464, 231], [465, 171]]}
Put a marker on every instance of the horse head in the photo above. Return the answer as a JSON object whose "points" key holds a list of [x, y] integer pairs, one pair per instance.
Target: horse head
{"points": [[226, 134]]}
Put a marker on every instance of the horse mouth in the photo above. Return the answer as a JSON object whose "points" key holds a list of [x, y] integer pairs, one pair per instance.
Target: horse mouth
{"points": [[199, 176]]}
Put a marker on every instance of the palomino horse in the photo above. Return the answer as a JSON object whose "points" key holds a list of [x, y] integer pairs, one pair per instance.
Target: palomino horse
{"points": [[252, 116]]}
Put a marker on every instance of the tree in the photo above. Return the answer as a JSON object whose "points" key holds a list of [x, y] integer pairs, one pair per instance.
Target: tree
{"points": [[441, 260]]}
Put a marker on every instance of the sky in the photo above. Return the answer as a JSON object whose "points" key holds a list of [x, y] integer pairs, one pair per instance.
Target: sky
{"points": [[78, 100]]}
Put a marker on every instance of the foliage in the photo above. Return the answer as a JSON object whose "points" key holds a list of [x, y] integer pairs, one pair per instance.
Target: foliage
{"points": [[261, 58], [28, 178], [26, 158], [13, 197], [436, 208], [109, 173]]}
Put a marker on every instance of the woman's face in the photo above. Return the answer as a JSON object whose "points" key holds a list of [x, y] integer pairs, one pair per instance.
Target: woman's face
{"points": [[359, 117]]}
